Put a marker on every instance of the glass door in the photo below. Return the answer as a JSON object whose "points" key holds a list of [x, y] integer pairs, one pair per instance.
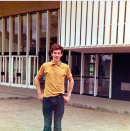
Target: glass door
{"points": [[41, 60], [89, 74], [33, 69], [103, 75], [18, 74], [4, 70], [76, 70], [64, 59]]}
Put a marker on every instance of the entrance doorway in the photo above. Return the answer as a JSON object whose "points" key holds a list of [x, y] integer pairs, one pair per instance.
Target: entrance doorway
{"points": [[18, 72], [4, 70], [103, 79], [89, 74], [76, 70], [32, 70]]}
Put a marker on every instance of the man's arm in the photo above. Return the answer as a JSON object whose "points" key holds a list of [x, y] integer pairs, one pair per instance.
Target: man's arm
{"points": [[71, 84], [37, 84]]}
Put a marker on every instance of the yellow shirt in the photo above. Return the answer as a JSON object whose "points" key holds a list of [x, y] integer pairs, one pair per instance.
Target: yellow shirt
{"points": [[54, 77]]}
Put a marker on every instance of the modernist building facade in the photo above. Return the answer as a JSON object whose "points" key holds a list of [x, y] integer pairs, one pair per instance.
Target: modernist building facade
{"points": [[95, 35]]}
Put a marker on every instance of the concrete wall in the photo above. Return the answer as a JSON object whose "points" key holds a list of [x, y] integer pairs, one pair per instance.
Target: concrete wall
{"points": [[95, 24], [8, 8]]}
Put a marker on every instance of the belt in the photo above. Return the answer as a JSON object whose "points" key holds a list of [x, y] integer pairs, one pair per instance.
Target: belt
{"points": [[62, 94]]}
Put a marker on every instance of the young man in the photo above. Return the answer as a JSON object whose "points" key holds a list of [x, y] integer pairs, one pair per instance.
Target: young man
{"points": [[53, 98]]}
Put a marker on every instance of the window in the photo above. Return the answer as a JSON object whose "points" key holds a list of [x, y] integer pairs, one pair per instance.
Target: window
{"points": [[33, 18], [7, 31], [23, 34], [15, 34], [43, 25], [53, 27], [42, 43]]}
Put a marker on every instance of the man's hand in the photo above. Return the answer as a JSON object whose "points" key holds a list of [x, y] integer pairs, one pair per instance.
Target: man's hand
{"points": [[40, 97], [66, 99], [37, 84]]}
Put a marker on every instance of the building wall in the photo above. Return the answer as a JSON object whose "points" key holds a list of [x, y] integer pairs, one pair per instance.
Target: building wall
{"points": [[101, 29], [27, 31], [92, 24], [121, 76], [88, 27], [8, 8]]}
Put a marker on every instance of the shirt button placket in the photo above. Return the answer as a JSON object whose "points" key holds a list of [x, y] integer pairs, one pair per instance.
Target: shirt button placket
{"points": [[55, 69]]}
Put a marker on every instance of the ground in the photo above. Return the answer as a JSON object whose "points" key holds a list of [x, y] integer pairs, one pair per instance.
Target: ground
{"points": [[26, 115]]}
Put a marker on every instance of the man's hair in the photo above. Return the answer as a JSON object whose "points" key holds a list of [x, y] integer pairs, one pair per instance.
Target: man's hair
{"points": [[56, 47]]}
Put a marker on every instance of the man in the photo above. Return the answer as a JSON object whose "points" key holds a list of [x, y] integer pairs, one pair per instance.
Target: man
{"points": [[53, 98]]}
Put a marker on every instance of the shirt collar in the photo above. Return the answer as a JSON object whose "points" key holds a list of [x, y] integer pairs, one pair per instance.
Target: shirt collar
{"points": [[59, 64]]}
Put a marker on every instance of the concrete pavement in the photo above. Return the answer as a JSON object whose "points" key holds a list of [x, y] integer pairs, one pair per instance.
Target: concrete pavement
{"points": [[81, 101], [26, 115]]}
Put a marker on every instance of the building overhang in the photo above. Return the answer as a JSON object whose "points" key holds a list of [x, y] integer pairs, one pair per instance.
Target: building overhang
{"points": [[122, 49]]}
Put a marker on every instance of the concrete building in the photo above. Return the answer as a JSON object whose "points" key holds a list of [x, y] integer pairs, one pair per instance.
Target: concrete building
{"points": [[95, 35]]}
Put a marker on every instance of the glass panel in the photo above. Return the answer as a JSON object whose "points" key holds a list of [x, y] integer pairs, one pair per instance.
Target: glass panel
{"points": [[76, 71], [32, 67], [7, 31], [15, 34], [65, 56], [89, 72], [5, 69], [89, 85], [2, 69], [19, 70], [33, 19], [43, 26], [23, 70], [42, 45], [36, 69], [23, 33], [66, 84], [104, 75], [14, 69], [64, 59], [0, 36], [53, 28]]}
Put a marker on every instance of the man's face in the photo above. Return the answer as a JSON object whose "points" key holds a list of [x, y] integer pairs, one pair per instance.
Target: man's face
{"points": [[57, 55]]}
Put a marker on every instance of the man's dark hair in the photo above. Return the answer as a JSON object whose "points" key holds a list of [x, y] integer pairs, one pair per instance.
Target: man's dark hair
{"points": [[56, 47]]}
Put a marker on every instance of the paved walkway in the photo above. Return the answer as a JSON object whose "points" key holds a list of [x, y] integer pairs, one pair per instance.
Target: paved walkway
{"points": [[82, 101]]}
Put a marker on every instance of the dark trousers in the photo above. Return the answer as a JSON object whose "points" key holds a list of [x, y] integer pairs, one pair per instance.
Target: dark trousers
{"points": [[51, 104]]}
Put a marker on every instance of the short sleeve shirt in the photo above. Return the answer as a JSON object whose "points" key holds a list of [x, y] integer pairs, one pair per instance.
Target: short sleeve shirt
{"points": [[54, 77]]}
